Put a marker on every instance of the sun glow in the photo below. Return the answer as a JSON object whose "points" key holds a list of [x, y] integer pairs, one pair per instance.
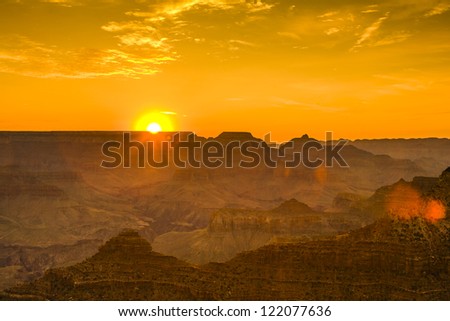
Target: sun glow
{"points": [[155, 122], [154, 128]]}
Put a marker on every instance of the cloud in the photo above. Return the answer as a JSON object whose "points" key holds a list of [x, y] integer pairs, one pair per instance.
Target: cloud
{"points": [[136, 39], [398, 84], [143, 46], [285, 101], [242, 42], [173, 9], [139, 34], [128, 26], [328, 14], [259, 6], [58, 1], [5, 56], [64, 3], [235, 45], [332, 31], [370, 11], [370, 31], [287, 34], [151, 29], [374, 8], [439, 9], [165, 25], [145, 40], [310, 106], [393, 39], [33, 59]]}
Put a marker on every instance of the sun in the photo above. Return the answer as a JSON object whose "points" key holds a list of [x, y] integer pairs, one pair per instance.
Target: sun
{"points": [[155, 122], [154, 128]]}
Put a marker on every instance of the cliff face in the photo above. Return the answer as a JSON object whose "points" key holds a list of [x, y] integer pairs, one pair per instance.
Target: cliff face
{"points": [[50, 219], [424, 197], [441, 190], [362, 266], [291, 217], [337, 271], [232, 231], [125, 268], [26, 263]]}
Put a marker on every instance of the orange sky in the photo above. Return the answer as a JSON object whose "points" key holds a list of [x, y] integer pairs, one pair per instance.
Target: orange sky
{"points": [[362, 69]]}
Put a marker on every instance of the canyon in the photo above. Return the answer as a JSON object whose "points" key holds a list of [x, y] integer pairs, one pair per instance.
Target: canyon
{"points": [[58, 205], [394, 258]]}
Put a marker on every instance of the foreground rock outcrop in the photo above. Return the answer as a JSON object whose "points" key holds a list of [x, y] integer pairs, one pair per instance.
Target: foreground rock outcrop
{"points": [[389, 260]]}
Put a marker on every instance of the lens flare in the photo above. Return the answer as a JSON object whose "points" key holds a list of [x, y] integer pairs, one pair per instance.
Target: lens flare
{"points": [[405, 202], [434, 210]]}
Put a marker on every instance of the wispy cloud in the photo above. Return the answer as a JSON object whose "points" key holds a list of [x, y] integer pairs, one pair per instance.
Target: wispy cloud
{"points": [[285, 101], [136, 39], [397, 84], [128, 26], [304, 105], [259, 6], [58, 1], [242, 43], [164, 25], [64, 3], [153, 32], [30, 58], [373, 8], [288, 34], [332, 31], [175, 8], [370, 11], [394, 38], [370, 31], [328, 14], [439, 9], [146, 39]]}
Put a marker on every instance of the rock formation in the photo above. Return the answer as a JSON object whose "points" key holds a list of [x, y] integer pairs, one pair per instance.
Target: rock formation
{"points": [[388, 260]]}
